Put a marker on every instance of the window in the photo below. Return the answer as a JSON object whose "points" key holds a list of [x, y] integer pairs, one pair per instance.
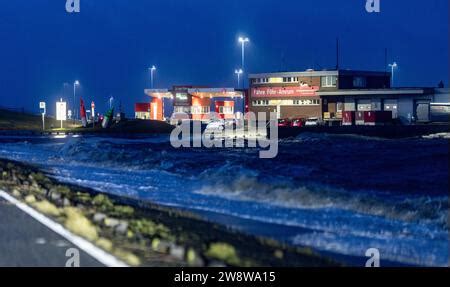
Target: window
{"points": [[182, 109], [364, 105], [312, 102], [181, 97], [200, 110], [290, 80], [142, 115], [329, 82], [359, 82], [261, 103], [263, 80], [226, 110]]}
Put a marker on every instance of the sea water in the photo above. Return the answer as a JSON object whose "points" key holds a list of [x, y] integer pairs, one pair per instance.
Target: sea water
{"points": [[340, 195]]}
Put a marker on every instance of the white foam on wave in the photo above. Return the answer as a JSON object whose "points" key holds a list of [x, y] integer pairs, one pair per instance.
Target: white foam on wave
{"points": [[414, 209]]}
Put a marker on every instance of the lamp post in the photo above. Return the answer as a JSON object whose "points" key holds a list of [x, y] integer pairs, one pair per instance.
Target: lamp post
{"points": [[152, 70], [75, 84], [243, 41], [65, 89], [238, 73], [393, 67]]}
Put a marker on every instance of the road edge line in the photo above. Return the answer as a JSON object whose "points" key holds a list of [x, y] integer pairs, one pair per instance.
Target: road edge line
{"points": [[98, 254]]}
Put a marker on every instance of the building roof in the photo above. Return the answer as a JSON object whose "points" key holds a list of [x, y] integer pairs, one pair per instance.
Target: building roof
{"points": [[366, 92], [314, 73], [197, 91]]}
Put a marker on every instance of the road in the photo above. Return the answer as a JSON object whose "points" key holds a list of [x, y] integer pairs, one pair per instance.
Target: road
{"points": [[24, 242]]}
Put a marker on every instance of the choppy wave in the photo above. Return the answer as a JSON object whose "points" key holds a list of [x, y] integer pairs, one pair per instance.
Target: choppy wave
{"points": [[414, 209]]}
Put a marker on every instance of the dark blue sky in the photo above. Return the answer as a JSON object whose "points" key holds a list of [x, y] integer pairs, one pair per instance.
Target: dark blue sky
{"points": [[111, 43]]}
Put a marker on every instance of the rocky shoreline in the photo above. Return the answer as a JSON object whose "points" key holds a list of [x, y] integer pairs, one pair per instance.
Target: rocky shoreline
{"points": [[145, 234]]}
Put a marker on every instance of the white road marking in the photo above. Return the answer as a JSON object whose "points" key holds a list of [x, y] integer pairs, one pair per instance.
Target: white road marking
{"points": [[95, 252]]}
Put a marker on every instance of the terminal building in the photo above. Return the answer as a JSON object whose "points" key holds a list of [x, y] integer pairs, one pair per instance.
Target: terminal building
{"points": [[330, 96], [197, 102], [296, 94]]}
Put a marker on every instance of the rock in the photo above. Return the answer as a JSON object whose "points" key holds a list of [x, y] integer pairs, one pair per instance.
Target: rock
{"points": [[66, 202], [79, 224], [30, 199], [111, 222], [105, 244], [99, 217], [128, 257], [47, 208], [16, 193], [278, 254], [160, 246], [122, 227], [55, 196], [216, 264], [193, 259], [224, 252], [177, 251]]}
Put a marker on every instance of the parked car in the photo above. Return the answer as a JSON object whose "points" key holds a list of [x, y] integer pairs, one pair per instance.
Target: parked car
{"points": [[178, 118], [312, 122], [231, 122], [284, 123], [216, 125], [298, 123]]}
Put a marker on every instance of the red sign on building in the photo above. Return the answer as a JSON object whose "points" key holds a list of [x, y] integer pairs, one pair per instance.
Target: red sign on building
{"points": [[269, 92]]}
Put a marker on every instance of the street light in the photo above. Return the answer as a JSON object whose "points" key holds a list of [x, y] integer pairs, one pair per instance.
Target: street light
{"points": [[238, 73], [243, 40], [152, 70], [75, 112], [393, 67]]}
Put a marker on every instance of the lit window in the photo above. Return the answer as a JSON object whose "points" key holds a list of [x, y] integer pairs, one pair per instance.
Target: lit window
{"points": [[199, 110], [312, 102], [226, 110], [182, 109], [261, 103], [329, 82]]}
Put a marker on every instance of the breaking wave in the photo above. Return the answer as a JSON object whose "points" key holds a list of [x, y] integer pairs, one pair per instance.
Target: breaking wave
{"points": [[412, 209]]}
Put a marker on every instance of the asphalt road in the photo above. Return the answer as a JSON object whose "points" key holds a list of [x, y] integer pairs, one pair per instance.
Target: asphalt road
{"points": [[24, 242]]}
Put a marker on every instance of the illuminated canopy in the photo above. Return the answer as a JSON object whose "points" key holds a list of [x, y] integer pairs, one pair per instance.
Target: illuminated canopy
{"points": [[197, 92], [159, 93]]}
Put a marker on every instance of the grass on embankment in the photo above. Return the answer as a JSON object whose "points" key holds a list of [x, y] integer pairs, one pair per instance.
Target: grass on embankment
{"points": [[16, 121], [10, 120]]}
